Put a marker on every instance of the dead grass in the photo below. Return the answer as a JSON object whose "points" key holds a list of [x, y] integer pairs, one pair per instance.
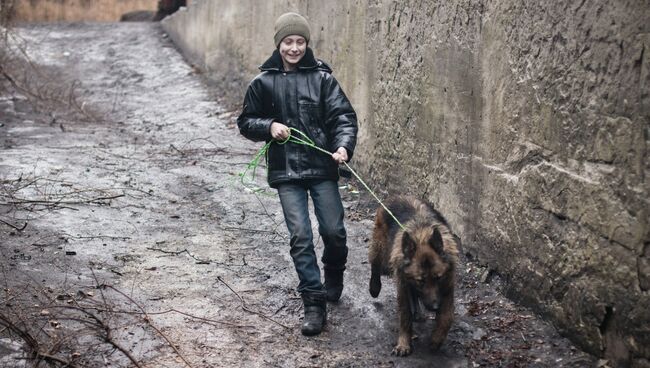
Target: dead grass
{"points": [[46, 90], [7, 8], [78, 10]]}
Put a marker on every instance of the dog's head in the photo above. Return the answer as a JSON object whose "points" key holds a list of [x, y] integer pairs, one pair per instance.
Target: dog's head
{"points": [[425, 264]]}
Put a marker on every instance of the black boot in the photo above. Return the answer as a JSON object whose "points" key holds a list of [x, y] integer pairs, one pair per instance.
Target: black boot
{"points": [[333, 284], [315, 314]]}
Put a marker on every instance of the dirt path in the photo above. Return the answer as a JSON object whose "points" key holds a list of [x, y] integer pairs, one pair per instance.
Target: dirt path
{"points": [[142, 211]]}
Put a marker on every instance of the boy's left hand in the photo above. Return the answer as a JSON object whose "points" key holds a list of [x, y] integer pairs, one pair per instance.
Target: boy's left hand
{"points": [[341, 155]]}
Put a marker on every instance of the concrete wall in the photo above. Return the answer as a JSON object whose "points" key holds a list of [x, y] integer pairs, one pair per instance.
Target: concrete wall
{"points": [[527, 124]]}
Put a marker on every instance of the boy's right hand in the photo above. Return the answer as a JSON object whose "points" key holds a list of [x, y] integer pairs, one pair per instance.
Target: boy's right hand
{"points": [[279, 131]]}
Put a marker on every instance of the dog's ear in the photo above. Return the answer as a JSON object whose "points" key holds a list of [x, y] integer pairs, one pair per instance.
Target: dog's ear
{"points": [[435, 241], [408, 246]]}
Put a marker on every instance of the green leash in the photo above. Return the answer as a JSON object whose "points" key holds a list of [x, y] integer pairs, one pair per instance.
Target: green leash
{"points": [[305, 140]]}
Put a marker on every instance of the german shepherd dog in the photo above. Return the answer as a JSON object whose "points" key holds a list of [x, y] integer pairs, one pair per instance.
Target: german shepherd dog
{"points": [[422, 260]]}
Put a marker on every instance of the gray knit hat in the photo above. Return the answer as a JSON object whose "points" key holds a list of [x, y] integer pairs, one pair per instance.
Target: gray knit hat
{"points": [[290, 24]]}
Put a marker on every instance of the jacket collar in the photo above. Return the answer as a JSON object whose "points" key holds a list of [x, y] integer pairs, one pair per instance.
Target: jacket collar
{"points": [[308, 62]]}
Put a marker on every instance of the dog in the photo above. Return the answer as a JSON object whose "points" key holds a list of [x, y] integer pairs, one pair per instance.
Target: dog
{"points": [[422, 260]]}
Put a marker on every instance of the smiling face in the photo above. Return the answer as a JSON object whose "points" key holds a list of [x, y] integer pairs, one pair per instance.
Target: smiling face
{"points": [[292, 49]]}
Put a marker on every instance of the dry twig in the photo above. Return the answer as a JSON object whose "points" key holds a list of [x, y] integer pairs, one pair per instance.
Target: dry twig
{"points": [[175, 253], [148, 321], [247, 309], [14, 226], [32, 343]]}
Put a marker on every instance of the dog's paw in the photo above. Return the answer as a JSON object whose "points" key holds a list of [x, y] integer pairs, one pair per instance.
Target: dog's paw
{"points": [[401, 350]]}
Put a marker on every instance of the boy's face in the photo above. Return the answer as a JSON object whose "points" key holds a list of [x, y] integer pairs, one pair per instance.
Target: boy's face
{"points": [[292, 49]]}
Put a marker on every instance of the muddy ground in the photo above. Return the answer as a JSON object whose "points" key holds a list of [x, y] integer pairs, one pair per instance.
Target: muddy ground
{"points": [[128, 240]]}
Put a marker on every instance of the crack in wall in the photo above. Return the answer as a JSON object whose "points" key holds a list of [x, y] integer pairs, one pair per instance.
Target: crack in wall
{"points": [[605, 324], [643, 268]]}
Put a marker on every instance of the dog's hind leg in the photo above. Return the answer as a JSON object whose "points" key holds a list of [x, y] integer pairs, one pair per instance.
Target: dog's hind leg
{"points": [[375, 280]]}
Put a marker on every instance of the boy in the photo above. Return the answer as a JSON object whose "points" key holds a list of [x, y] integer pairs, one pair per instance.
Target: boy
{"points": [[296, 90]]}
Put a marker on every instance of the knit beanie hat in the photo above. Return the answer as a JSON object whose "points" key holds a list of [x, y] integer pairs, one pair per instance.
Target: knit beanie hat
{"points": [[290, 24]]}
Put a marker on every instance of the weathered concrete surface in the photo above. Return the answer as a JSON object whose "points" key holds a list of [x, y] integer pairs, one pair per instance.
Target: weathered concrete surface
{"points": [[565, 125], [526, 124]]}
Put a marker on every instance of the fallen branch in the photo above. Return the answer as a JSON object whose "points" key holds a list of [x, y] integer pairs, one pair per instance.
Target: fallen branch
{"points": [[32, 344], [101, 237], [14, 226], [53, 358], [148, 320], [57, 202], [108, 338], [175, 253], [235, 228], [245, 307], [173, 310]]}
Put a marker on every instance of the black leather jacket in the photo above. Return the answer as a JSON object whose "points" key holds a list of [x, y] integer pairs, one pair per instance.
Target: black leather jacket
{"points": [[308, 99]]}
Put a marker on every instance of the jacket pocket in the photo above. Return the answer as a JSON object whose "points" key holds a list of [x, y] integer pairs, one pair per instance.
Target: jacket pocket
{"points": [[311, 118], [276, 159]]}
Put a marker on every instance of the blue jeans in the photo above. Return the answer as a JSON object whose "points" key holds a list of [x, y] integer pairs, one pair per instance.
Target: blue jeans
{"points": [[329, 213]]}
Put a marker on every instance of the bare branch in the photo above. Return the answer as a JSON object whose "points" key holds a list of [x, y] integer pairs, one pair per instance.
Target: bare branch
{"points": [[247, 309], [148, 320], [14, 226]]}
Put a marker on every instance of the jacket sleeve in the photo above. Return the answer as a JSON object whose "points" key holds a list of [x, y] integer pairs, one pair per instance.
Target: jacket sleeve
{"points": [[253, 123], [340, 118]]}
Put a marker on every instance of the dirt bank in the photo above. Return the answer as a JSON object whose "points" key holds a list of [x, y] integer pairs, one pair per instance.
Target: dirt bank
{"points": [[139, 244]]}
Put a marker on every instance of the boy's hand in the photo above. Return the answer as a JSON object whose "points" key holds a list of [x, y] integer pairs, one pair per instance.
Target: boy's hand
{"points": [[279, 131], [341, 155]]}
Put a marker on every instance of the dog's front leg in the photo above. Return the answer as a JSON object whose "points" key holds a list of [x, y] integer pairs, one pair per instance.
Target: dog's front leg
{"points": [[444, 319], [403, 346]]}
